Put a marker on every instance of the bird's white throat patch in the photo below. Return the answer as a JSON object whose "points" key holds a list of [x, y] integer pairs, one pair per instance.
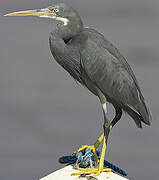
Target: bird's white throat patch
{"points": [[64, 20]]}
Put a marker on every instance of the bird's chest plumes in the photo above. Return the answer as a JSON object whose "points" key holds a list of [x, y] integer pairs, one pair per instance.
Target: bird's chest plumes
{"points": [[58, 54], [67, 57], [57, 48]]}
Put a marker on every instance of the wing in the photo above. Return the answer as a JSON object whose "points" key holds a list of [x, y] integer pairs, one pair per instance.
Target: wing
{"points": [[111, 73]]}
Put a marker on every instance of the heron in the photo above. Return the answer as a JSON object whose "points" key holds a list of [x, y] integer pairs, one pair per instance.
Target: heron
{"points": [[98, 65]]}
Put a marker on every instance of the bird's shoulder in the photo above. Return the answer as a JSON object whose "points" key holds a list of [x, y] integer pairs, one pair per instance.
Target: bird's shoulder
{"points": [[99, 40], [90, 39], [96, 49], [87, 34]]}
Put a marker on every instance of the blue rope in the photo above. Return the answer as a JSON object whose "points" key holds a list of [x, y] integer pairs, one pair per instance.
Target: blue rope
{"points": [[84, 159]]}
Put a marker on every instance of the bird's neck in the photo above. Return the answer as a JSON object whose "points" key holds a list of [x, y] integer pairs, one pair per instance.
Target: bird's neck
{"points": [[67, 30]]}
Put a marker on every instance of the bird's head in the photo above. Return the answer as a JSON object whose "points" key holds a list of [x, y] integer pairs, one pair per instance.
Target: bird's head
{"points": [[59, 12]]}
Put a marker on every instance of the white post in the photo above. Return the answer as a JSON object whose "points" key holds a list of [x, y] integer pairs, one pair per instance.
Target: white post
{"points": [[65, 174]]}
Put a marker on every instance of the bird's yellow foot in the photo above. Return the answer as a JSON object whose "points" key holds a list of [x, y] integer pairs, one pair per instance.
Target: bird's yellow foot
{"points": [[91, 147], [99, 169], [95, 171]]}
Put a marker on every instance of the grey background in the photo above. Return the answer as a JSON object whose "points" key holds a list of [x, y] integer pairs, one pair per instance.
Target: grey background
{"points": [[44, 114]]}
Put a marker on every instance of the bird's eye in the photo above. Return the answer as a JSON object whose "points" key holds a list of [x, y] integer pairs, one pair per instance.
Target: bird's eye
{"points": [[56, 10]]}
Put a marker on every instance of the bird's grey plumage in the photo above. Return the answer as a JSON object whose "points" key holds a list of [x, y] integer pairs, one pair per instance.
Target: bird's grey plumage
{"points": [[94, 62]]}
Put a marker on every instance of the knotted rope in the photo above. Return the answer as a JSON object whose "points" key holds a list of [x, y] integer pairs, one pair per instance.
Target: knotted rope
{"points": [[85, 159]]}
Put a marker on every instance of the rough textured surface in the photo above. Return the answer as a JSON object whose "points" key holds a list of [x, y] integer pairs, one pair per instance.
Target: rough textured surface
{"points": [[65, 173]]}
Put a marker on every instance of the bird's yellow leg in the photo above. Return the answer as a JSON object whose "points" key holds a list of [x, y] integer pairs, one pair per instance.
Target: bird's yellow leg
{"points": [[99, 169], [93, 147], [98, 142]]}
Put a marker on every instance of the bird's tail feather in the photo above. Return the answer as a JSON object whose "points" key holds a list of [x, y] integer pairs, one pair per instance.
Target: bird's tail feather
{"points": [[135, 116], [143, 110], [140, 114], [145, 113]]}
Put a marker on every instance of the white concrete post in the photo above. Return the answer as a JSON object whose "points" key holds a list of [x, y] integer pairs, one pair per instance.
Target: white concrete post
{"points": [[65, 174]]}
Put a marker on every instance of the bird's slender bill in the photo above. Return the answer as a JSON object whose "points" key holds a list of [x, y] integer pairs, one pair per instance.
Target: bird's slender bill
{"points": [[31, 13]]}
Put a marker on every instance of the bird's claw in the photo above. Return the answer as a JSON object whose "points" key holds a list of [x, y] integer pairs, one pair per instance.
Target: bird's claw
{"points": [[95, 171], [81, 148]]}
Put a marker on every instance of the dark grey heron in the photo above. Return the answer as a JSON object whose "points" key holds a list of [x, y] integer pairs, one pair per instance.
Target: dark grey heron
{"points": [[95, 63]]}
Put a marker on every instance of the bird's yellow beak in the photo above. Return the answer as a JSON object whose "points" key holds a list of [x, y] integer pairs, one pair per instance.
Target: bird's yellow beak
{"points": [[31, 13]]}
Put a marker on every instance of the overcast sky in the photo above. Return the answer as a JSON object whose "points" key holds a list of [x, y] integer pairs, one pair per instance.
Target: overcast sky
{"points": [[44, 114]]}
